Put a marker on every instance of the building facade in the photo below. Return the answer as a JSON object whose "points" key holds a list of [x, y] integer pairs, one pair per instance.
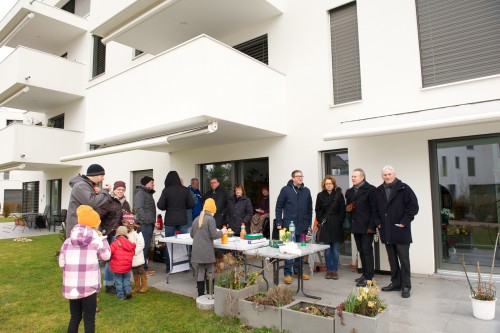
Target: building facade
{"points": [[250, 90]]}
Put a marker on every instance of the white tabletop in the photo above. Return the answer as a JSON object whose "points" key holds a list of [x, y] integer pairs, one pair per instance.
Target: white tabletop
{"points": [[272, 252], [234, 243]]}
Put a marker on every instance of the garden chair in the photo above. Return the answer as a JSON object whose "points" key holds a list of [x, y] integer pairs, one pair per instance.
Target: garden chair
{"points": [[58, 218]]}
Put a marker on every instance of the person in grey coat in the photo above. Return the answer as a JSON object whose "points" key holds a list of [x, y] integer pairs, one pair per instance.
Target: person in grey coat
{"points": [[84, 191], [203, 232], [145, 210]]}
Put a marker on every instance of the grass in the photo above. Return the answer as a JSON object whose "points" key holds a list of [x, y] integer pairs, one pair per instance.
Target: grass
{"points": [[7, 219], [31, 299]]}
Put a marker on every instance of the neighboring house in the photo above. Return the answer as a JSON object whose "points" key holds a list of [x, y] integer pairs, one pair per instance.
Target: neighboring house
{"points": [[248, 92]]}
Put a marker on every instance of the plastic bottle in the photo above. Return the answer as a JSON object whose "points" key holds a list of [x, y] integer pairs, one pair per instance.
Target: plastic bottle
{"points": [[243, 231], [292, 231]]}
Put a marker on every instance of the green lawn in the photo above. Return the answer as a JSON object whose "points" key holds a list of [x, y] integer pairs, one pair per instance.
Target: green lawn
{"points": [[6, 219], [31, 299]]}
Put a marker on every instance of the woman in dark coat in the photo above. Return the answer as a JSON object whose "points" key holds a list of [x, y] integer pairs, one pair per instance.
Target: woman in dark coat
{"points": [[239, 209], [330, 208], [175, 199]]}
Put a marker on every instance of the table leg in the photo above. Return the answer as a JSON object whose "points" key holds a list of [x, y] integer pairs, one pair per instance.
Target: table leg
{"points": [[301, 281], [170, 258]]}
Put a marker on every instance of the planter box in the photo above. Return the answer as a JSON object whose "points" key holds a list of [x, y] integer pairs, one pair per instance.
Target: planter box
{"points": [[362, 324], [259, 316], [226, 300], [297, 321]]}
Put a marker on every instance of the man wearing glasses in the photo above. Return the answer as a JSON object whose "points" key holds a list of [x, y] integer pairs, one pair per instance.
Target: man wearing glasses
{"points": [[294, 204], [219, 194]]}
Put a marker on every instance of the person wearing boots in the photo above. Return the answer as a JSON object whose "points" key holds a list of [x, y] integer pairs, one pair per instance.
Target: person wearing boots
{"points": [[138, 271], [203, 232]]}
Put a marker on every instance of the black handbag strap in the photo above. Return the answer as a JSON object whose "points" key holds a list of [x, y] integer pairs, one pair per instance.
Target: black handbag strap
{"points": [[335, 197]]}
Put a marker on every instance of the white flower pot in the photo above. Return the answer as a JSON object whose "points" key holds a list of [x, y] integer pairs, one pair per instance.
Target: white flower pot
{"points": [[484, 310]]}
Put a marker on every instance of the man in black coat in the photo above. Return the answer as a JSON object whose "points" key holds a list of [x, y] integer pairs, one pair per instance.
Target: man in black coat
{"points": [[219, 194], [395, 209], [360, 205]]}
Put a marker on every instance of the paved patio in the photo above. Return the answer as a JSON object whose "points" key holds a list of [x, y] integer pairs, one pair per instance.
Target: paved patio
{"points": [[438, 303]]}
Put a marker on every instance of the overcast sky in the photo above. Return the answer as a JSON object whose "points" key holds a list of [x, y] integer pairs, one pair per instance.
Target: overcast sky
{"points": [[5, 6]]}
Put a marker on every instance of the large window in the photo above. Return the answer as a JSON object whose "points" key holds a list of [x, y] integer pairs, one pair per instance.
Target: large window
{"points": [[467, 202], [54, 187], [459, 40], [31, 197], [253, 174], [345, 54]]}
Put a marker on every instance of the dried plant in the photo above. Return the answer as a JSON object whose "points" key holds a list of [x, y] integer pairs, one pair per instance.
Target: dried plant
{"points": [[278, 296], [485, 291]]}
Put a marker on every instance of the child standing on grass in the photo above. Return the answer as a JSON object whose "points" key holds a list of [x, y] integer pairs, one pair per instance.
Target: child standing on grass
{"points": [[122, 252], [203, 233], [138, 270], [81, 276]]}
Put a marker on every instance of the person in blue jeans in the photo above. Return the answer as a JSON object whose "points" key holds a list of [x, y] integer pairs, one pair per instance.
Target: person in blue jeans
{"points": [[294, 203], [122, 254], [330, 213], [175, 200]]}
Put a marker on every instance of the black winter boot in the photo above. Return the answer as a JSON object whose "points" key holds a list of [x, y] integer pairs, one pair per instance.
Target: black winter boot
{"points": [[201, 288]]}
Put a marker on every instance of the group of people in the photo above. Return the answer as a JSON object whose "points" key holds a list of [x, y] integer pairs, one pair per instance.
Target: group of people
{"points": [[389, 209], [100, 226]]}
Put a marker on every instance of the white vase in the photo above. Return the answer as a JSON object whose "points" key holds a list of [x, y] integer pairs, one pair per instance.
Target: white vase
{"points": [[484, 310]]}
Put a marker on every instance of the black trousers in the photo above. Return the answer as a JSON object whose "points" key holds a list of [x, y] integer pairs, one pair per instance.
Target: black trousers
{"points": [[87, 306], [364, 244], [399, 260]]}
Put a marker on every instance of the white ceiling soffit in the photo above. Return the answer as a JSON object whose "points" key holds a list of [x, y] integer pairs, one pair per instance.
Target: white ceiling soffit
{"points": [[40, 26], [171, 22]]}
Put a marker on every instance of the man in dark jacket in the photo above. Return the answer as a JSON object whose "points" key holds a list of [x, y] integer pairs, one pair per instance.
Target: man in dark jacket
{"points": [[395, 209], [294, 203], [175, 199], [219, 194], [360, 204], [145, 213]]}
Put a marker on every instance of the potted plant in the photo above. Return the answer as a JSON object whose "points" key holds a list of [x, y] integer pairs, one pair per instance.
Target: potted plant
{"points": [[20, 220], [363, 311], [264, 309], [483, 295], [300, 316], [232, 284]]}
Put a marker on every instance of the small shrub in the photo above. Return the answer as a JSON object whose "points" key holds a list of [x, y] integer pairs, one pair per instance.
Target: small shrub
{"points": [[7, 209]]}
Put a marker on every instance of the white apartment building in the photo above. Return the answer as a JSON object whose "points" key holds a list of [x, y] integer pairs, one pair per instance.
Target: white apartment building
{"points": [[249, 90]]}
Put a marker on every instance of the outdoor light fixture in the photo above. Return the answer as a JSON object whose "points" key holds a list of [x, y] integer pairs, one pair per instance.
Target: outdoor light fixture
{"points": [[14, 96], [142, 144], [17, 28]]}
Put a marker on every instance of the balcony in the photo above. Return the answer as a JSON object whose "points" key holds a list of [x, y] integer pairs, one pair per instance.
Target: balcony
{"points": [[37, 81], [41, 27], [200, 81], [155, 26], [37, 148]]}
